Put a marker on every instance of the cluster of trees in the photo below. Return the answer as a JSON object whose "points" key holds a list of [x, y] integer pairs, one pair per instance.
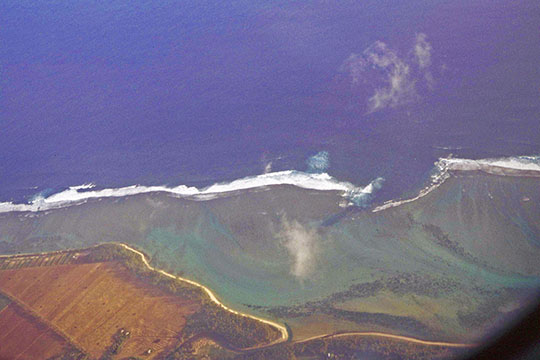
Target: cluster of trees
{"points": [[70, 354], [232, 331], [183, 352], [118, 341], [237, 331], [284, 351], [111, 252]]}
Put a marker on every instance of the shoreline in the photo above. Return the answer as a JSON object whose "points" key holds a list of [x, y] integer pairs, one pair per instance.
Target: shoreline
{"points": [[285, 335]]}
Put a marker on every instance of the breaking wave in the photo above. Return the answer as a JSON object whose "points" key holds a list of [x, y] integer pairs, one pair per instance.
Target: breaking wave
{"points": [[319, 181], [364, 197], [319, 162], [512, 166]]}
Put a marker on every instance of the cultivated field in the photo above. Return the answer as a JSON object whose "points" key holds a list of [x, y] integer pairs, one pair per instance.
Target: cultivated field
{"points": [[91, 302], [23, 336], [53, 258]]}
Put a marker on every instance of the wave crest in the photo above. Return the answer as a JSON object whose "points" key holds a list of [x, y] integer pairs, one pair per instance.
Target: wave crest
{"points": [[511, 166], [357, 196], [518, 166], [80, 194]]}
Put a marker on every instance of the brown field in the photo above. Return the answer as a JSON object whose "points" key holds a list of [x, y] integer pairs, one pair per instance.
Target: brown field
{"points": [[89, 303], [22, 336], [52, 258]]}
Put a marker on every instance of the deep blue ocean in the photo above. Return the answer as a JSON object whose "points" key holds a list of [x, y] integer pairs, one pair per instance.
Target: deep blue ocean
{"points": [[196, 92]]}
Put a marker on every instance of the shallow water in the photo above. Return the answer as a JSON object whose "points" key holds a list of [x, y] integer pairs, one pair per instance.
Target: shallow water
{"points": [[267, 251]]}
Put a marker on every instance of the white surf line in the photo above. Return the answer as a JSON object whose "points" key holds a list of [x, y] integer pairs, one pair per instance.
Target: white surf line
{"points": [[436, 180], [515, 166], [390, 336], [76, 195], [212, 296], [499, 168]]}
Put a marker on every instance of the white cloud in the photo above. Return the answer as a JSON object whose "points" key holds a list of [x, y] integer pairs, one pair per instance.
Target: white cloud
{"points": [[396, 78], [400, 87], [302, 244], [422, 51]]}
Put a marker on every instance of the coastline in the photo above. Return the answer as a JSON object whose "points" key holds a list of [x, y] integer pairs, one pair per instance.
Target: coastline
{"points": [[145, 205], [285, 334]]}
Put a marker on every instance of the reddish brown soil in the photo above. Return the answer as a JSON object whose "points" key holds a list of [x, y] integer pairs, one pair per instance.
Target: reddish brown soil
{"points": [[89, 303], [22, 336]]}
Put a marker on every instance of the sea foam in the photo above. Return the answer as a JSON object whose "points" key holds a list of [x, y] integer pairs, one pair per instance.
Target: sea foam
{"points": [[519, 166], [80, 194], [512, 166], [358, 196]]}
